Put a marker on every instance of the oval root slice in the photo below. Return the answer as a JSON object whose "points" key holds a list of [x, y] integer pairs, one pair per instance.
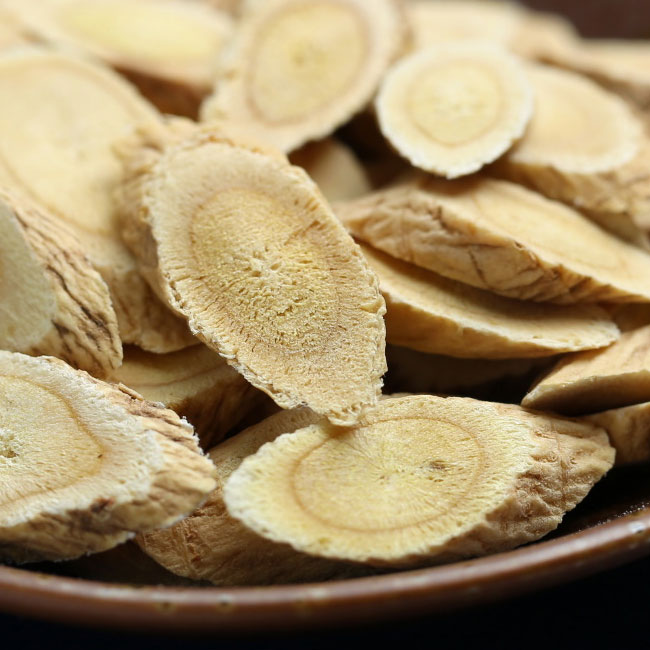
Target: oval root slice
{"points": [[243, 245], [85, 465], [419, 479], [451, 109], [502, 237]]}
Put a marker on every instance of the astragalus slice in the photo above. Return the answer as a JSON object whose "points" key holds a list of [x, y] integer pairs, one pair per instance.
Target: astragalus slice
{"points": [[84, 465], [52, 301], [244, 246], [419, 479]]}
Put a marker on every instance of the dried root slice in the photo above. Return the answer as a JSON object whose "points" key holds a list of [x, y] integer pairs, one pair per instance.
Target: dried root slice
{"points": [[169, 48], [629, 432], [593, 381], [65, 163], [300, 68], [429, 313], [334, 167], [538, 35], [52, 301], [211, 545], [502, 237], [195, 382], [11, 34], [243, 245], [85, 465], [453, 108], [476, 477]]}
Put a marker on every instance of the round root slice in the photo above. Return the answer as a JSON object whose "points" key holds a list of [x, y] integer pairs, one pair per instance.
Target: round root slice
{"points": [[88, 109], [211, 545], [453, 108], [195, 382], [596, 380], [539, 35], [500, 236], [244, 246], [84, 465], [52, 301], [427, 312], [419, 479], [299, 69], [334, 168], [629, 432], [169, 48]]}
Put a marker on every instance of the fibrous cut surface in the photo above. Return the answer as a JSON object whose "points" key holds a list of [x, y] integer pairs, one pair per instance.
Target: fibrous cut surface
{"points": [[451, 109], [244, 246], [596, 380], [430, 313], [84, 465], [52, 301], [300, 68], [72, 113], [419, 479], [211, 545], [195, 382], [502, 237]]}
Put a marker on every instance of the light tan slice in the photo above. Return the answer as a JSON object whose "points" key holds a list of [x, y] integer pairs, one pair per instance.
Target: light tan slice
{"points": [[451, 109], [84, 465], [539, 34], [211, 545], [244, 246], [11, 34], [300, 68], [334, 167], [420, 479], [52, 301], [169, 48], [72, 114], [195, 382], [429, 313], [596, 380], [502, 237], [629, 432]]}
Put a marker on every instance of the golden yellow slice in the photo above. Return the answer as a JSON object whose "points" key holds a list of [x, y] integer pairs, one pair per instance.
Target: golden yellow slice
{"points": [[300, 68], [334, 167], [451, 109], [596, 380], [243, 245], [169, 48], [84, 465], [62, 158], [211, 545], [419, 479], [502, 237], [430, 313], [52, 301], [195, 382]]}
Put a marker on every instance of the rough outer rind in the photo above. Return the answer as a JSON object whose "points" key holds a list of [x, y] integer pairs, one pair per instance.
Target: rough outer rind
{"points": [[147, 218], [429, 313], [83, 329], [211, 545], [466, 230], [553, 464], [386, 29], [100, 511]]}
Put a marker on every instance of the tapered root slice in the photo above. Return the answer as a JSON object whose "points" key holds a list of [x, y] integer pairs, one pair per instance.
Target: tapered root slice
{"points": [[297, 70], [430, 313], [52, 301], [195, 382], [589, 382], [169, 48], [211, 545], [502, 237], [243, 245], [451, 109], [85, 465], [419, 479]]}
